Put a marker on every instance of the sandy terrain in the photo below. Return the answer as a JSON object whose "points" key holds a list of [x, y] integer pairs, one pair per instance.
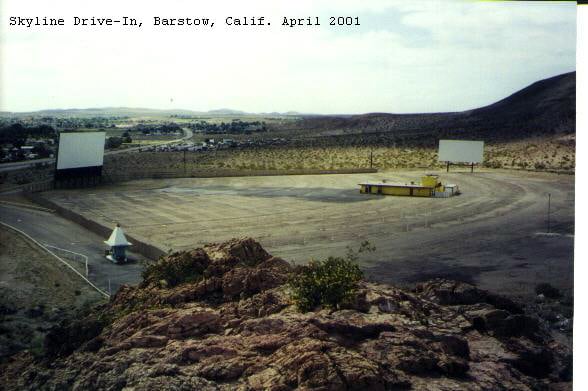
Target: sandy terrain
{"points": [[494, 234], [550, 153]]}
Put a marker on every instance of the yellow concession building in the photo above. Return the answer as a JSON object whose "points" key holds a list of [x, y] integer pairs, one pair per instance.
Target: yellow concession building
{"points": [[430, 186]]}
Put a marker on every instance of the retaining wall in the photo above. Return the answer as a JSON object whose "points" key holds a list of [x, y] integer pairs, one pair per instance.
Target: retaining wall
{"points": [[219, 173]]}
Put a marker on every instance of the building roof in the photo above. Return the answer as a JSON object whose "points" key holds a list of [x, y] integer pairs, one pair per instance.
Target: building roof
{"points": [[117, 238], [415, 186]]}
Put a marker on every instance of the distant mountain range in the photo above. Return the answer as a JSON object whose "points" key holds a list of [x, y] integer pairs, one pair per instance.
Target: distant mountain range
{"points": [[138, 112], [546, 106]]}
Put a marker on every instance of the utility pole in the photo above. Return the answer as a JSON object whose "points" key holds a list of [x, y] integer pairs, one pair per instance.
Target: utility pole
{"points": [[371, 158], [184, 162], [548, 212]]}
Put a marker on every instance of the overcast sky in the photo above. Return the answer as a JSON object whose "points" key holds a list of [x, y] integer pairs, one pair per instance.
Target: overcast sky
{"points": [[407, 56]]}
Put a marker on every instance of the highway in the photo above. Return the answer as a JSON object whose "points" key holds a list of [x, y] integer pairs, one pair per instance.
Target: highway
{"points": [[30, 163], [54, 230]]}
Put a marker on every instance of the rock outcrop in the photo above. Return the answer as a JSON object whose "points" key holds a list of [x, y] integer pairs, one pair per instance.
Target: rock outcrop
{"points": [[236, 329]]}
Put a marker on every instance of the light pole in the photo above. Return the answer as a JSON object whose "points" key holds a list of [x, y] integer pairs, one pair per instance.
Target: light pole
{"points": [[548, 212], [184, 162]]}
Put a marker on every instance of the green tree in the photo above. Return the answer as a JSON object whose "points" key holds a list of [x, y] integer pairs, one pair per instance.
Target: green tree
{"points": [[113, 142]]}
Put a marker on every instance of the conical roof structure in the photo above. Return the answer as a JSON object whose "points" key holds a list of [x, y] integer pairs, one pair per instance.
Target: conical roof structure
{"points": [[117, 238]]}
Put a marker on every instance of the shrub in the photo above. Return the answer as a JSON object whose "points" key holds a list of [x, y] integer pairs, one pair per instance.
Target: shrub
{"points": [[329, 283], [493, 164], [36, 346], [547, 290], [177, 269], [113, 142], [540, 166]]}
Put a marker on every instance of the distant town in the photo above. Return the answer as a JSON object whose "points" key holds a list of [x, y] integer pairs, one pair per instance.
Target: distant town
{"points": [[35, 137]]}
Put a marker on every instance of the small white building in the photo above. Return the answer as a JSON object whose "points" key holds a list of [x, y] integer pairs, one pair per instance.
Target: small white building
{"points": [[118, 244]]}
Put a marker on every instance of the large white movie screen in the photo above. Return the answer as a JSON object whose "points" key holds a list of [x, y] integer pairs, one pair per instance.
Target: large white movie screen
{"points": [[81, 149], [461, 151]]}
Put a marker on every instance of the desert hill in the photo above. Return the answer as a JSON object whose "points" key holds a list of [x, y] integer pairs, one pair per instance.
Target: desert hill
{"points": [[235, 328], [545, 107]]}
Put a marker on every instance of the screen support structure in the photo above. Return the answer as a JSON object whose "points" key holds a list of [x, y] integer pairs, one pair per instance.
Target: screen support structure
{"points": [[471, 166]]}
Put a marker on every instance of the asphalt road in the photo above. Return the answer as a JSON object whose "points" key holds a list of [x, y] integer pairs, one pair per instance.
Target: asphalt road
{"points": [[53, 230], [24, 164]]}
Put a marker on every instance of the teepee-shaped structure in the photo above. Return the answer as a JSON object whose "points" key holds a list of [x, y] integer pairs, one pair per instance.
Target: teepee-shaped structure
{"points": [[118, 244]]}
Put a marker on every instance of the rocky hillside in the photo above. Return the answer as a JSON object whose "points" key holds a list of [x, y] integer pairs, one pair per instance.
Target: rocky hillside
{"points": [[543, 108], [221, 318]]}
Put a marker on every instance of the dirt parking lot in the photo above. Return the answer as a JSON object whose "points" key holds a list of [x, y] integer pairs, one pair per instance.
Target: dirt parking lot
{"points": [[495, 234]]}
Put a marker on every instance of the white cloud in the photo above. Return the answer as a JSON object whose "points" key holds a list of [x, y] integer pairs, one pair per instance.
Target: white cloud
{"points": [[407, 57]]}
